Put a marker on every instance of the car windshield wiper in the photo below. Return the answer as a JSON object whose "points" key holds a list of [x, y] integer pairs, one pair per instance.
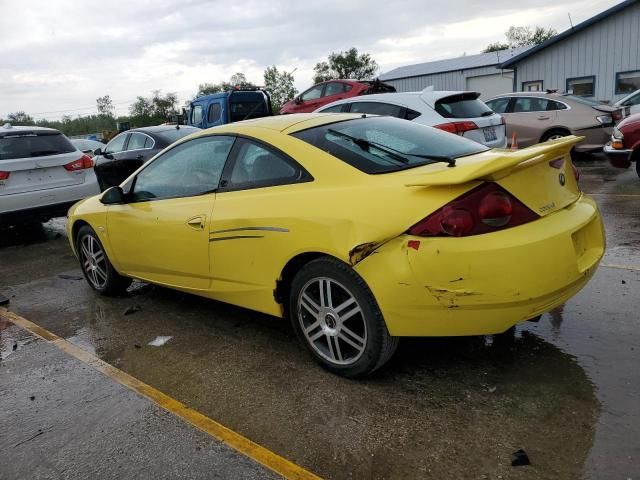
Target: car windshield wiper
{"points": [[436, 158], [367, 144]]}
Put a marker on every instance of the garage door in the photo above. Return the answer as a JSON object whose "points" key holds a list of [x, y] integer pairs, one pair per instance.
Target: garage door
{"points": [[491, 85]]}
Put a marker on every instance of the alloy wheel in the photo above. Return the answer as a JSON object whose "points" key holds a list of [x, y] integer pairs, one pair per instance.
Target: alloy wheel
{"points": [[332, 321], [94, 262]]}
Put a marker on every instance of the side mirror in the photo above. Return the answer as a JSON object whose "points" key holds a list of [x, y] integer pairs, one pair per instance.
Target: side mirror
{"points": [[97, 151], [298, 100], [113, 196]]}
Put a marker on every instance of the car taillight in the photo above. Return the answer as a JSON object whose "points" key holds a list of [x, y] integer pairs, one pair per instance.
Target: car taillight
{"points": [[457, 127], [83, 162], [487, 208], [4, 175]]}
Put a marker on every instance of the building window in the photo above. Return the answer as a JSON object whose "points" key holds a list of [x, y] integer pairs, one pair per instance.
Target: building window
{"points": [[582, 86], [627, 82], [535, 86]]}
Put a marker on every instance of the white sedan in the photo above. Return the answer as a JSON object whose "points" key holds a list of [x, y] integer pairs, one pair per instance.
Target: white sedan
{"points": [[41, 174], [461, 113]]}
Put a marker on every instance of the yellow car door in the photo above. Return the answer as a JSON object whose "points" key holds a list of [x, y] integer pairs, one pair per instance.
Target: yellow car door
{"points": [[251, 230], [162, 233]]}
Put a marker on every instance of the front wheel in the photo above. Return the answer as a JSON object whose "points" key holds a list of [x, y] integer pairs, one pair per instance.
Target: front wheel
{"points": [[338, 320], [95, 264]]}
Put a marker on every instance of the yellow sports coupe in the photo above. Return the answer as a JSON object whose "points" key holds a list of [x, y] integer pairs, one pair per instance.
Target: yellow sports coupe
{"points": [[361, 229]]}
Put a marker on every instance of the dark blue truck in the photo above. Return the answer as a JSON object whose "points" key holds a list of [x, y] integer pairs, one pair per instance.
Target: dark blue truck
{"points": [[240, 103]]}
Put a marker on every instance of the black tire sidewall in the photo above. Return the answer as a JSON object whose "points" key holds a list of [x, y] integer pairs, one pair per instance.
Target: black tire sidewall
{"points": [[376, 328], [551, 133]]}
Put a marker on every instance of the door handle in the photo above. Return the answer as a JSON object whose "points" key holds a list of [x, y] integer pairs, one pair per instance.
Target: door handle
{"points": [[543, 118], [196, 222]]}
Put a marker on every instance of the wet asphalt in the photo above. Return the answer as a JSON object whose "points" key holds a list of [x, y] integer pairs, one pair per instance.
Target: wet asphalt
{"points": [[566, 389]]}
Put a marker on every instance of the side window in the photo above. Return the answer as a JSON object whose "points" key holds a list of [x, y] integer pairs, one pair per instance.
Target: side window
{"points": [[499, 105], [313, 93], [530, 104], [411, 114], [553, 105], [214, 112], [117, 144], [347, 87], [196, 114], [136, 141], [377, 108], [149, 142], [333, 88], [257, 166], [334, 109], [191, 168]]}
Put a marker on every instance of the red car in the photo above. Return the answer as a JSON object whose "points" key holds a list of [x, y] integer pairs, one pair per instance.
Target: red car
{"points": [[624, 147], [330, 91]]}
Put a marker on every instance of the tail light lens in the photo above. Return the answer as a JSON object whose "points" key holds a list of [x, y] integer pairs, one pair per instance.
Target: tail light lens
{"points": [[487, 208], [4, 175], [82, 163], [457, 127]]}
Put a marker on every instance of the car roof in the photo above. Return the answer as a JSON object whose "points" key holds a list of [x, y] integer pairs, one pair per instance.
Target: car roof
{"points": [[428, 96], [8, 129], [162, 128]]}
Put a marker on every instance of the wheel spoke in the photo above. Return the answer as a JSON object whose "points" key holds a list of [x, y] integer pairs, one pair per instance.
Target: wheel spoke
{"points": [[87, 264], [85, 250], [325, 289], [312, 307], [312, 327], [99, 256], [94, 278], [350, 313], [337, 347], [321, 284], [101, 272], [316, 335], [353, 339], [332, 353], [344, 305]]}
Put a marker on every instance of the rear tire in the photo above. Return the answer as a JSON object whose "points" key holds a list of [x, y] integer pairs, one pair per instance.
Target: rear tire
{"points": [[95, 265], [337, 318], [554, 135]]}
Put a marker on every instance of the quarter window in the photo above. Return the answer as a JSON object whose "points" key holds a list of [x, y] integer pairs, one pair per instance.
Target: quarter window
{"points": [[189, 169], [335, 108], [257, 166], [552, 105], [627, 82], [582, 87], [117, 144], [377, 108]]}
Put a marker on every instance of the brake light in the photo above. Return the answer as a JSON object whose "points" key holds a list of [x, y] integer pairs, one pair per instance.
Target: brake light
{"points": [[486, 208], [4, 175], [457, 127], [82, 163]]}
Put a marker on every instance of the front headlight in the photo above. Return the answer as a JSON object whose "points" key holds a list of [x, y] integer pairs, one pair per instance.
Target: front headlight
{"points": [[605, 119]]}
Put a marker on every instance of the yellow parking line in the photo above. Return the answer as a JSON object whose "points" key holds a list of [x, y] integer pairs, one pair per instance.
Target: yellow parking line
{"points": [[621, 267], [260, 454]]}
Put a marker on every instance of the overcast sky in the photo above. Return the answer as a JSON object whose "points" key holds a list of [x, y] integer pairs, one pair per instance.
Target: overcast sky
{"points": [[58, 56]]}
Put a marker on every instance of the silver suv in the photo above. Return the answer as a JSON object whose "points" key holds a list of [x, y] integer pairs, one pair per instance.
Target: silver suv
{"points": [[41, 174]]}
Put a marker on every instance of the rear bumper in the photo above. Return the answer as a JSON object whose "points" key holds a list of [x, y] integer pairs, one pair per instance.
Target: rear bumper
{"points": [[486, 283], [618, 158], [46, 203], [37, 214]]}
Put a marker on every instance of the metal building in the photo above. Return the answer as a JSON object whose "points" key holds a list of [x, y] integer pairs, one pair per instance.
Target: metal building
{"points": [[598, 58], [480, 73]]}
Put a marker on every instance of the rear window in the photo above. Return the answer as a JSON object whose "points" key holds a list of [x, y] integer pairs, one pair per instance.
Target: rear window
{"points": [[584, 101], [33, 144], [176, 133], [244, 110], [465, 105], [399, 137]]}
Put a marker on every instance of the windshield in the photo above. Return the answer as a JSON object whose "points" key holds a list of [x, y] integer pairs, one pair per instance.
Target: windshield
{"points": [[173, 134], [28, 144], [400, 142]]}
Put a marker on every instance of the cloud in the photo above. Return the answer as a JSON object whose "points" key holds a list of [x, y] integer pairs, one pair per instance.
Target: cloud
{"points": [[64, 54]]}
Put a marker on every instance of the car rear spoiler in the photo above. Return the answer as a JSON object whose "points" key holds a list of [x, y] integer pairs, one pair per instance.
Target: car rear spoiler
{"points": [[494, 164]]}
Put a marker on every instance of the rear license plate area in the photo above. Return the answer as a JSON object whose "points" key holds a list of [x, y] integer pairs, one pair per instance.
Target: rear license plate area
{"points": [[489, 134]]}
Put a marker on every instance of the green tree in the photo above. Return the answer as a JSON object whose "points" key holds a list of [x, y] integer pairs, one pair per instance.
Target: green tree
{"points": [[522, 37], [280, 87], [20, 117], [154, 110], [237, 78], [105, 106], [347, 64]]}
